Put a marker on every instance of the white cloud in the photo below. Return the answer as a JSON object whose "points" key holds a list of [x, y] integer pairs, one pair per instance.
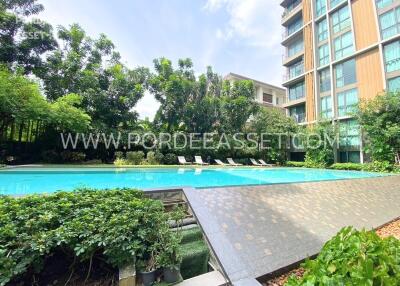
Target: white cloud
{"points": [[256, 21]]}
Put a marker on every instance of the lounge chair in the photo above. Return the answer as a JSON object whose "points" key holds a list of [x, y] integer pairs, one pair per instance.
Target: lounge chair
{"points": [[263, 163], [182, 161], [199, 161], [232, 163], [254, 162], [219, 162]]}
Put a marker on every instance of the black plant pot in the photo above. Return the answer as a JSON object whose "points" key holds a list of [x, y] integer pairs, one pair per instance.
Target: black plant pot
{"points": [[171, 275], [148, 278]]}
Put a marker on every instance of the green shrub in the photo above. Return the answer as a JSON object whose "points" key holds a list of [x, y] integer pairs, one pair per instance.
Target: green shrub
{"points": [[354, 258], [195, 256], [72, 157], [170, 159], [154, 158], [295, 164], [121, 162], [119, 155], [347, 166], [50, 156], [377, 166], [135, 158], [119, 224]]}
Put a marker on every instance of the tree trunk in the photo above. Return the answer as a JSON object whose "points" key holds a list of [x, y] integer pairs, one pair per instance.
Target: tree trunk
{"points": [[21, 129]]}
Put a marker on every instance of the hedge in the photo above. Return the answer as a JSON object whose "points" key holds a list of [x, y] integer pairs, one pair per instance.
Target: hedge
{"points": [[353, 258], [119, 224], [195, 259]]}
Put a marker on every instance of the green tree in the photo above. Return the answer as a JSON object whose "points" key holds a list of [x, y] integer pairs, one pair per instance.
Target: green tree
{"points": [[380, 120], [276, 127]]}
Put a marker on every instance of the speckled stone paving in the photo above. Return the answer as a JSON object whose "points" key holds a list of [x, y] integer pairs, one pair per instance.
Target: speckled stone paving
{"points": [[257, 230]]}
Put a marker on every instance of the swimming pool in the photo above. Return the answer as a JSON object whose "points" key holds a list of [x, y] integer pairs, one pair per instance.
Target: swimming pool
{"points": [[23, 181]]}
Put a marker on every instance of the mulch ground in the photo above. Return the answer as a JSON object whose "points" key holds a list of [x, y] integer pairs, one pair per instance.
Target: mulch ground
{"points": [[391, 229]]}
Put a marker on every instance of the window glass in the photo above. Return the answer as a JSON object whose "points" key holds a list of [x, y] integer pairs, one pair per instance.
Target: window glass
{"points": [[297, 91], [383, 3], [349, 133], [295, 26], [295, 48], [326, 107], [390, 23], [334, 3], [298, 113], [296, 69], [394, 84], [322, 30], [343, 45], [347, 102], [346, 73], [323, 55], [267, 97], [325, 80], [321, 7], [341, 19], [392, 56]]}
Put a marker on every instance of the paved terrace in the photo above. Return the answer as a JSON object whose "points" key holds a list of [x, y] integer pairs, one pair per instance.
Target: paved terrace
{"points": [[258, 230]]}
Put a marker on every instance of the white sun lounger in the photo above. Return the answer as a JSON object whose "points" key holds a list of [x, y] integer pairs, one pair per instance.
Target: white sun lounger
{"points": [[254, 162], [263, 163], [199, 161], [219, 162], [182, 161], [232, 163]]}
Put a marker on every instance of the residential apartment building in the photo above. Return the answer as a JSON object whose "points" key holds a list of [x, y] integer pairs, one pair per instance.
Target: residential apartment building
{"points": [[266, 94], [339, 52]]}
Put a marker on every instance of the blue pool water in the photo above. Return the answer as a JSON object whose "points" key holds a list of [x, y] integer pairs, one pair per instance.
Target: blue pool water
{"points": [[22, 181]]}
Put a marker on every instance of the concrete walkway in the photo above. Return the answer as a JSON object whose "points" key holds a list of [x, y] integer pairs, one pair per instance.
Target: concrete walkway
{"points": [[255, 231]]}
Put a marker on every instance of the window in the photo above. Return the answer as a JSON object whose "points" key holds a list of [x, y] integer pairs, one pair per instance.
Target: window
{"points": [[347, 102], [349, 157], [325, 80], [349, 134], [298, 113], [295, 48], [296, 69], [334, 3], [341, 20], [267, 98], [383, 3], [346, 73], [326, 107], [295, 26], [394, 84], [322, 30], [320, 7], [390, 23], [297, 91], [343, 45], [323, 52], [392, 56]]}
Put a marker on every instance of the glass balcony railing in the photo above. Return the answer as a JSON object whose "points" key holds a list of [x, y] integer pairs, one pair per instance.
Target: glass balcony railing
{"points": [[299, 118]]}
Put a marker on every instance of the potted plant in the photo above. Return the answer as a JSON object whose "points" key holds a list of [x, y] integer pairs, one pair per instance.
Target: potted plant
{"points": [[169, 257], [147, 269]]}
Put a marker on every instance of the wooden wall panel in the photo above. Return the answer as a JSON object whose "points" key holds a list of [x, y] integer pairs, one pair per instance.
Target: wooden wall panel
{"points": [[310, 98], [308, 48], [365, 28], [307, 13], [369, 74]]}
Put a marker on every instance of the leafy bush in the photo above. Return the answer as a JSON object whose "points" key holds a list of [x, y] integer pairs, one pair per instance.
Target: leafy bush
{"points": [[347, 166], [154, 158], [119, 224], [50, 156], [170, 159], [135, 158], [354, 258], [72, 157], [121, 162], [119, 155], [377, 166], [295, 164]]}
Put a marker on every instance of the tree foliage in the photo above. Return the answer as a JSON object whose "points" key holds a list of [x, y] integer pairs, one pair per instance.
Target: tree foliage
{"points": [[380, 120]]}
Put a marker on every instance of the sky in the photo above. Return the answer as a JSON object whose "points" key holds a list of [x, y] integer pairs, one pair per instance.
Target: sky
{"points": [[239, 36]]}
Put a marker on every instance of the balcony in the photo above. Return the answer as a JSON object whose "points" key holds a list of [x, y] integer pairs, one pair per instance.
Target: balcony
{"points": [[299, 118], [291, 10], [289, 59], [294, 72]]}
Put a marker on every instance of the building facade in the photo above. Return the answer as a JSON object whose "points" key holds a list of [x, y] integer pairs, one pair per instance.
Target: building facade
{"points": [[266, 94], [338, 52]]}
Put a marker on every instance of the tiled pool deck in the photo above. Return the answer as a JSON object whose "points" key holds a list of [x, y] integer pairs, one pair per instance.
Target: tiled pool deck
{"points": [[255, 231]]}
